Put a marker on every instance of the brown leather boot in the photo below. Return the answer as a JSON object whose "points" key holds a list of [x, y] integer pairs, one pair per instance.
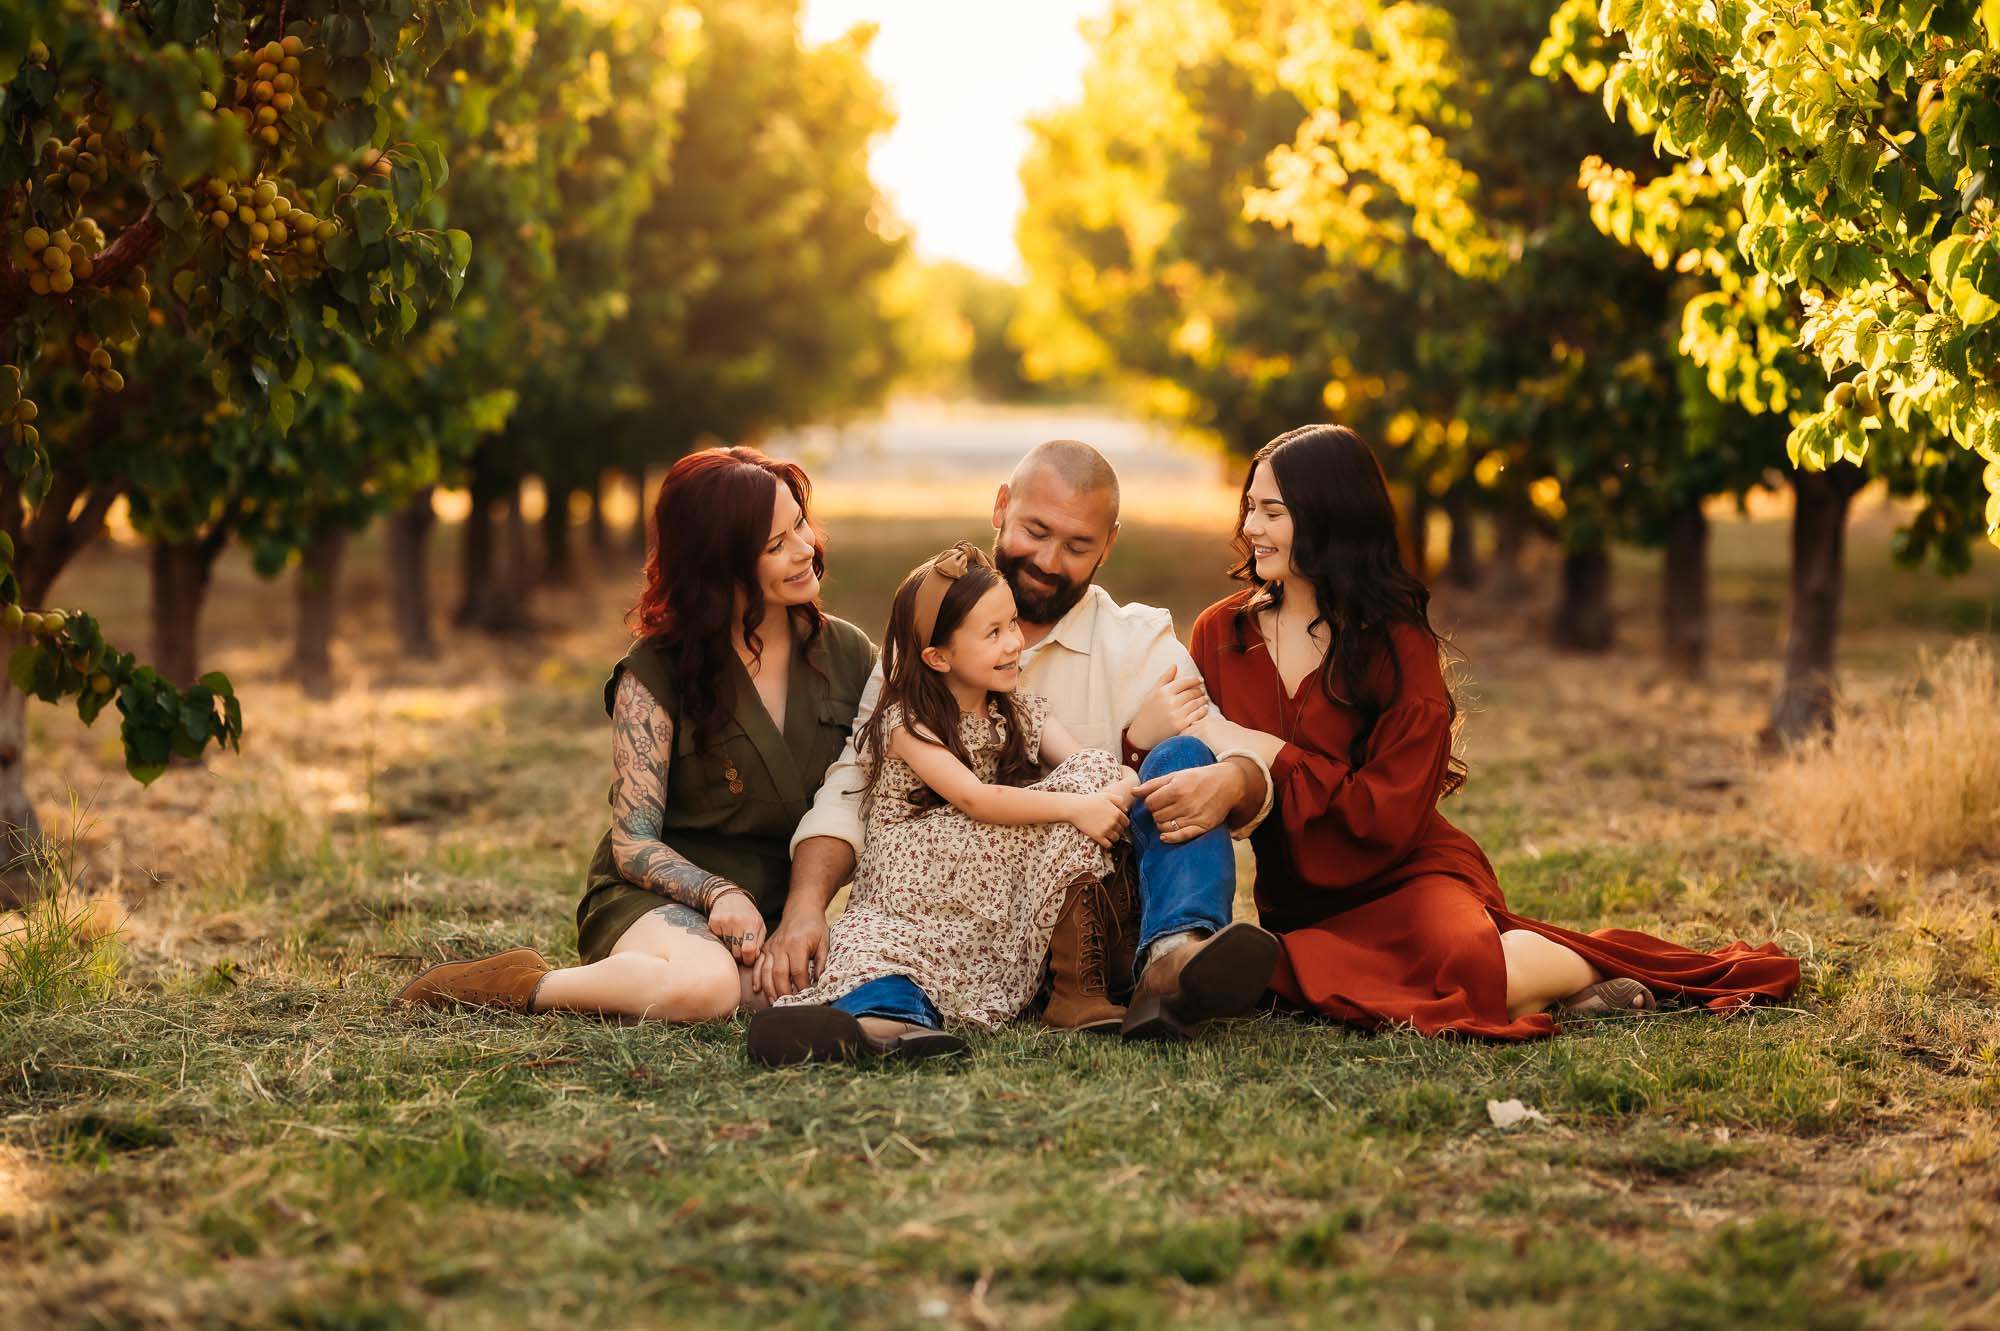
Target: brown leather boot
{"points": [[506, 980], [1220, 976], [1121, 949], [1077, 964]]}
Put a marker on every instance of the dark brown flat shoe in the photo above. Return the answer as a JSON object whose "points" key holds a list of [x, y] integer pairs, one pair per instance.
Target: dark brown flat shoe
{"points": [[807, 1033], [814, 1033]]}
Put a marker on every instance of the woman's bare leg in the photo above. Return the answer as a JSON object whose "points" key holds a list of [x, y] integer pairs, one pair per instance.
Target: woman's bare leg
{"points": [[1541, 971], [656, 971]]}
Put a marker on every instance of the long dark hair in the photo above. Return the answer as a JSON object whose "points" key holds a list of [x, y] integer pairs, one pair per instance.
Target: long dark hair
{"points": [[927, 702], [1344, 544], [710, 525]]}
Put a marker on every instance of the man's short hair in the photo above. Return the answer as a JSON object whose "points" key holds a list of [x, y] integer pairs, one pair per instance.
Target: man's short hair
{"points": [[1074, 463]]}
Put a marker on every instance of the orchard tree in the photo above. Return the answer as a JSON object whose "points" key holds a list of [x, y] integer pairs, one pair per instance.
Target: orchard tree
{"points": [[182, 174], [1816, 184], [1860, 141]]}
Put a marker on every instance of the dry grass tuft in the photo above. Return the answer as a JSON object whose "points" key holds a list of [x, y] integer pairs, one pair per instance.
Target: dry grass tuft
{"points": [[1913, 780]]}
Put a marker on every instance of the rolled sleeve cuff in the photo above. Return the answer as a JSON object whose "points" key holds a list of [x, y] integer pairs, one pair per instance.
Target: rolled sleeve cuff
{"points": [[1270, 791], [835, 821]]}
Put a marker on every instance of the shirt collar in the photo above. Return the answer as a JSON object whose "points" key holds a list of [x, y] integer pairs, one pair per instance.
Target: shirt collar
{"points": [[1078, 626]]}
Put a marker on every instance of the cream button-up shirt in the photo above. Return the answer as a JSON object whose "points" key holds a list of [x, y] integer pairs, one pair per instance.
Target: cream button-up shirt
{"points": [[1095, 668]]}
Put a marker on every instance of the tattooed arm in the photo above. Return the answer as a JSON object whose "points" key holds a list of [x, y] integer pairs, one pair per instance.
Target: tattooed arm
{"points": [[642, 744]]}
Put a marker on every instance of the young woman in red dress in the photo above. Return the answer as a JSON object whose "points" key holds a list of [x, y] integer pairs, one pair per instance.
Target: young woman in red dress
{"points": [[1326, 668]]}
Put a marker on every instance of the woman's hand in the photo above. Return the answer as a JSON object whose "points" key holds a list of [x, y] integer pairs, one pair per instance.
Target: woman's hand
{"points": [[1124, 789], [793, 956], [1099, 817], [737, 924], [1172, 706]]}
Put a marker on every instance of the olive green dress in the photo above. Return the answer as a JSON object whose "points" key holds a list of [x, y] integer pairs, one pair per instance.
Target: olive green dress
{"points": [[732, 807]]}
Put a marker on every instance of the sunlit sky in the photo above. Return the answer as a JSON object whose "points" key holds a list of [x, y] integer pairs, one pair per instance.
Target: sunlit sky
{"points": [[963, 76]]}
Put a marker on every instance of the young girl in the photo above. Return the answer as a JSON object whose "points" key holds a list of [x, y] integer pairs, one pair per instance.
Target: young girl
{"points": [[968, 855]]}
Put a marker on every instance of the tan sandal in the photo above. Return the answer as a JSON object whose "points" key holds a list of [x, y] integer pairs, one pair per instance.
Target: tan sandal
{"points": [[1609, 998]]}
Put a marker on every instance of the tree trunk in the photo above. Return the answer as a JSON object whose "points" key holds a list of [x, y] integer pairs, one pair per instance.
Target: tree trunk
{"points": [[498, 563], [1511, 526], [499, 556], [318, 612], [20, 830], [600, 533], [68, 518], [181, 572], [1461, 567], [1416, 532], [558, 553], [1583, 619], [642, 526], [410, 576], [1684, 593], [1804, 705]]}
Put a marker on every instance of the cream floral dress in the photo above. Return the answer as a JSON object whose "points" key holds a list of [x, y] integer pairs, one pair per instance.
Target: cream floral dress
{"points": [[963, 908]]}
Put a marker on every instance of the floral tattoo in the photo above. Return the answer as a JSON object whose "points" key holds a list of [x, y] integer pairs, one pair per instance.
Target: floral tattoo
{"points": [[642, 744]]}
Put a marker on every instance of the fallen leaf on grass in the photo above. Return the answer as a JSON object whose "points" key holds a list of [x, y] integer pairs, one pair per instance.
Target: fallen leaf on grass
{"points": [[1512, 1113]]}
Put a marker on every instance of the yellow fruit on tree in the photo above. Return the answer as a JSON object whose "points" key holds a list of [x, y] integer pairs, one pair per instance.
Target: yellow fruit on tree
{"points": [[11, 617], [292, 45], [36, 238], [53, 622]]}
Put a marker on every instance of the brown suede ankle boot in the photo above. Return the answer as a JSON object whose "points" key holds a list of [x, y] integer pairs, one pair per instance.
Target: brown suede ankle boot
{"points": [[506, 980], [1078, 964]]}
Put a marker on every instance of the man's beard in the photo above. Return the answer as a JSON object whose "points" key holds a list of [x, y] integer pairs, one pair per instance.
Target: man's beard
{"points": [[1036, 602]]}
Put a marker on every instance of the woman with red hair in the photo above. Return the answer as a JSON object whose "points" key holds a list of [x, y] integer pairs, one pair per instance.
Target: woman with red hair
{"points": [[737, 694]]}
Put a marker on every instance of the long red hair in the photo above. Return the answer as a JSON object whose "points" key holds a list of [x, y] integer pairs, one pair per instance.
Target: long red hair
{"points": [[710, 524]]}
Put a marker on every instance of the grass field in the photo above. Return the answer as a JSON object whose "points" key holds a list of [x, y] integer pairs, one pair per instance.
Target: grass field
{"points": [[221, 1126]]}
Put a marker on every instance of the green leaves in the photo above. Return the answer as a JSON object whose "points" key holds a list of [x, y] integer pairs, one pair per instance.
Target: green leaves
{"points": [[1860, 197]]}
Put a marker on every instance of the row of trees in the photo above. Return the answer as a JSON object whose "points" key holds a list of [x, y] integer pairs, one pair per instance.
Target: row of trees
{"points": [[273, 272], [1418, 218]]}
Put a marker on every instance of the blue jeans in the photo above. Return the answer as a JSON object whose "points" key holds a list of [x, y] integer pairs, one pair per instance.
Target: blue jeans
{"points": [[893, 996], [1188, 886]]}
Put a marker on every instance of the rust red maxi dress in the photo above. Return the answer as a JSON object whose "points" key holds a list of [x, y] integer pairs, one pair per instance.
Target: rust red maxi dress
{"points": [[1387, 912]]}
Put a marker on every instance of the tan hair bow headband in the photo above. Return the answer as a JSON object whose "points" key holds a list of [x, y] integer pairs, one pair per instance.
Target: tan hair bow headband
{"points": [[946, 569]]}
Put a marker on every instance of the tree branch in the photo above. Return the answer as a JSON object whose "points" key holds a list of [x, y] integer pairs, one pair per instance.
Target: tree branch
{"points": [[135, 245]]}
